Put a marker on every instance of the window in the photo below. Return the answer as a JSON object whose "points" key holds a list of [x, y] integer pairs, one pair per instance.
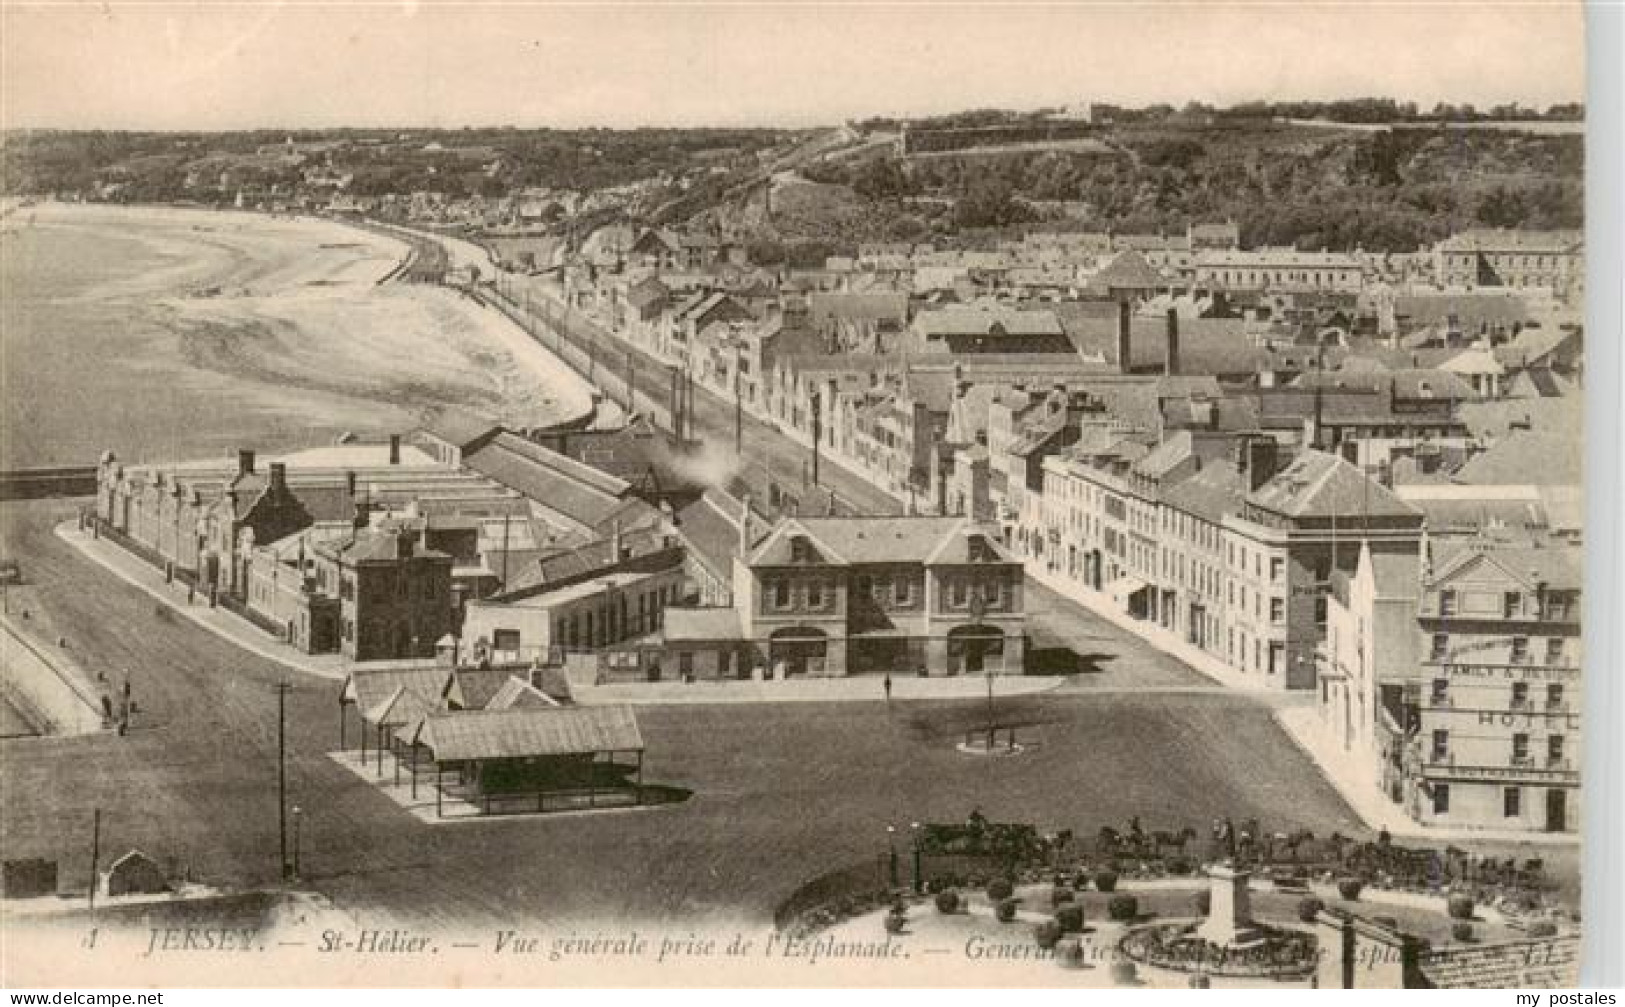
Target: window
{"points": [[1441, 798], [1277, 610], [1277, 657], [958, 594], [1554, 695], [1511, 604], [505, 640], [815, 594], [1441, 646], [902, 592], [1554, 749], [1520, 649], [781, 594], [1447, 603], [1511, 802], [1520, 694], [1441, 744], [800, 549], [1520, 748], [1277, 567], [1441, 692], [1554, 650]]}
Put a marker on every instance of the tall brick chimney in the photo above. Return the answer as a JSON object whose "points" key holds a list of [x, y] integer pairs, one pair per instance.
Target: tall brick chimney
{"points": [[394, 449], [279, 477], [1125, 338], [1171, 363], [245, 461]]}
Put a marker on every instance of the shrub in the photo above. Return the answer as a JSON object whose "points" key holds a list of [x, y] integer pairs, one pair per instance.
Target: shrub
{"points": [[1309, 908], [1081, 881], [1204, 903], [1123, 908], [1060, 895], [895, 922], [1124, 973], [948, 902], [1461, 931], [1047, 933], [1070, 918], [1005, 910], [1543, 928], [1106, 881], [1000, 889], [1350, 888], [1069, 953], [1460, 906]]}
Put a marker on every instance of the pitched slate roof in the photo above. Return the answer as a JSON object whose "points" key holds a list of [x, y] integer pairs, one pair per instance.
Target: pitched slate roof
{"points": [[530, 731], [1527, 456], [460, 428], [1318, 485], [845, 540], [1127, 271], [516, 693], [574, 489], [368, 688], [977, 321], [1212, 492]]}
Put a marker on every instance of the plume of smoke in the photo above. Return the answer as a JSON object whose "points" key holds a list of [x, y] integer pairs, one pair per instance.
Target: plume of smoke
{"points": [[706, 464]]}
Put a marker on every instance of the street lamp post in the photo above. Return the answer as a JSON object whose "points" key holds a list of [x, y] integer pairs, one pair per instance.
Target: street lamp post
{"points": [[919, 882], [991, 722], [298, 819], [891, 850]]}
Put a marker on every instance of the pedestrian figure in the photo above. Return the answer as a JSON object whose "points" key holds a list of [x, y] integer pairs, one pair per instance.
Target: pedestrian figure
{"points": [[886, 685]]}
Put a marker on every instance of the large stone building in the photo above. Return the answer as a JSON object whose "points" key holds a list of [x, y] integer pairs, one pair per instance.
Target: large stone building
{"points": [[1553, 261], [1488, 731], [836, 596]]}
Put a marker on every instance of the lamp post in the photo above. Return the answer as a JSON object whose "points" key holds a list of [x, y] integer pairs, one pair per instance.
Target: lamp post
{"points": [[298, 819], [891, 850], [919, 882]]}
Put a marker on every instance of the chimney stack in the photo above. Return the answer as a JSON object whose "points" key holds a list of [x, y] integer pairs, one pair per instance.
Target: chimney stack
{"points": [[279, 477], [394, 449], [363, 515], [1125, 338], [245, 461], [1171, 363], [349, 484], [1259, 458]]}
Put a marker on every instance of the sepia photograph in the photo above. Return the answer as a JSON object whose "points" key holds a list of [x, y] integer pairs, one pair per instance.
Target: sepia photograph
{"points": [[793, 494]]}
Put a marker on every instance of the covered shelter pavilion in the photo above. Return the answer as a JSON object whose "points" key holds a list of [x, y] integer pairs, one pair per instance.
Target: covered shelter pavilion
{"points": [[373, 693], [533, 758]]}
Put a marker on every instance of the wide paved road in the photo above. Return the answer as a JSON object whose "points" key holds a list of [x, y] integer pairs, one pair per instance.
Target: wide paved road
{"points": [[782, 792]]}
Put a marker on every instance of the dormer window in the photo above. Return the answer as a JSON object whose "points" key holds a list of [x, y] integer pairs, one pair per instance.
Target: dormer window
{"points": [[800, 549]]}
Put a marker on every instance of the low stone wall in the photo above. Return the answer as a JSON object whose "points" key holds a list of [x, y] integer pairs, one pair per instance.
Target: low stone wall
{"points": [[47, 687]]}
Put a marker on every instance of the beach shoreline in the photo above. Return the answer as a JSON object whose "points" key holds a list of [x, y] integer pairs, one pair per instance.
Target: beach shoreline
{"points": [[165, 332]]}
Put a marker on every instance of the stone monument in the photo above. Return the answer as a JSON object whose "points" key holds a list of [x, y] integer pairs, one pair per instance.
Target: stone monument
{"points": [[1229, 920]]}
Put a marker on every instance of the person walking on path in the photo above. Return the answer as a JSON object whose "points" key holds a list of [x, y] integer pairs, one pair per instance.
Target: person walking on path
{"points": [[886, 685]]}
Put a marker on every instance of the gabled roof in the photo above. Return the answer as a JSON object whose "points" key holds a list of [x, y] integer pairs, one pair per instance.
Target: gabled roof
{"points": [[1556, 566], [530, 731], [367, 688], [516, 693], [1127, 271]]}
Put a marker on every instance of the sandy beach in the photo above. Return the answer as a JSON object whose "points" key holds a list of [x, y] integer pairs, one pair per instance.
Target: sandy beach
{"points": [[165, 332]]}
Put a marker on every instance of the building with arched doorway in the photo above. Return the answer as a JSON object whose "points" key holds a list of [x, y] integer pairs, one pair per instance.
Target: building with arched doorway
{"points": [[849, 595]]}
